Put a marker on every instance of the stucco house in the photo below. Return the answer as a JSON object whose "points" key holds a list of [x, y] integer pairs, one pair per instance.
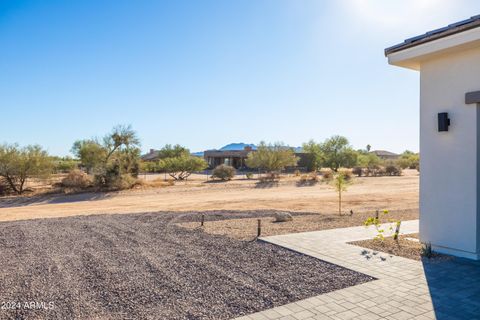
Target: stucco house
{"points": [[385, 155], [448, 60]]}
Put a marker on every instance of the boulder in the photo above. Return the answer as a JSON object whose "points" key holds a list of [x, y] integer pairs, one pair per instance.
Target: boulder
{"points": [[283, 217]]}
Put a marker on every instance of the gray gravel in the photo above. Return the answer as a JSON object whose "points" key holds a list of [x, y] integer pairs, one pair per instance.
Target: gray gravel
{"points": [[143, 266]]}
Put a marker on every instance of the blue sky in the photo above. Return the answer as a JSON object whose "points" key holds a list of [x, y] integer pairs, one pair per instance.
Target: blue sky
{"points": [[207, 73]]}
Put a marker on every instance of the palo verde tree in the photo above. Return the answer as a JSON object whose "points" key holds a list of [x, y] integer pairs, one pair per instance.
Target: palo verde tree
{"points": [[271, 157], [338, 153], [178, 162], [19, 164], [117, 154]]}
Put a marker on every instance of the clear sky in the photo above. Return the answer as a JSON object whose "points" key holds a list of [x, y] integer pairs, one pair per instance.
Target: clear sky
{"points": [[207, 73]]}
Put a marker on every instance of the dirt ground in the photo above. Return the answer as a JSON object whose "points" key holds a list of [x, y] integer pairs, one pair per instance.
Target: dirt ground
{"points": [[366, 194], [246, 229], [405, 246], [143, 266]]}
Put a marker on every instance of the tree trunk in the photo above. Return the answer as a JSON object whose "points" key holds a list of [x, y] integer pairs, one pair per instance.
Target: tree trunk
{"points": [[340, 202]]}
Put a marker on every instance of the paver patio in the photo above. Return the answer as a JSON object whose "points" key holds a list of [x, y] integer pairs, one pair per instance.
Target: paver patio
{"points": [[405, 289]]}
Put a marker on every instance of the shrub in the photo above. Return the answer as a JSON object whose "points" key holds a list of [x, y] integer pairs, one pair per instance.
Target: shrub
{"points": [[123, 182], [77, 179], [296, 173], [347, 174], [272, 176], [249, 175], [313, 176], [327, 175], [224, 172], [358, 171], [393, 169]]}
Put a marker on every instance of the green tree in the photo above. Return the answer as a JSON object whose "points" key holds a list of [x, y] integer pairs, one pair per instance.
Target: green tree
{"points": [[18, 164], [409, 159], [368, 160], [114, 156], [181, 167], [170, 151], [91, 154], [272, 157], [338, 153], [316, 155], [64, 164]]}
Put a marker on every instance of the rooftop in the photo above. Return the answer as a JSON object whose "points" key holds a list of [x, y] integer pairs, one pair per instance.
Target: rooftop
{"points": [[451, 29]]}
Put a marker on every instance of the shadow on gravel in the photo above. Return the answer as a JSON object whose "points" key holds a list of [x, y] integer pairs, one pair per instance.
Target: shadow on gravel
{"points": [[141, 266], [22, 201]]}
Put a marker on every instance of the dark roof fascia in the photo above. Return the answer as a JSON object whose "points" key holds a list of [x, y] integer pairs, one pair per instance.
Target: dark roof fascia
{"points": [[449, 30]]}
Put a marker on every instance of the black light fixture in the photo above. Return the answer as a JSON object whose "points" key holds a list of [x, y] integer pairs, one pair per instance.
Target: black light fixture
{"points": [[443, 121]]}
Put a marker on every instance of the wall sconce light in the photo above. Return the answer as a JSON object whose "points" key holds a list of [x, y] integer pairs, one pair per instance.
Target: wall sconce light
{"points": [[443, 121]]}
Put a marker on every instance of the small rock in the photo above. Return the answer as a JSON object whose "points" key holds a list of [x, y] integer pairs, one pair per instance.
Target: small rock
{"points": [[283, 217]]}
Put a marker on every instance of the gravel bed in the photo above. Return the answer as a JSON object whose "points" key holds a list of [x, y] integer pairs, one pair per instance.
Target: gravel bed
{"points": [[143, 266]]}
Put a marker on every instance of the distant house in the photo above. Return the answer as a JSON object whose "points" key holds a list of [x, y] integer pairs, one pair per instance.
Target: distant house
{"points": [[151, 156], [385, 155], [233, 155]]}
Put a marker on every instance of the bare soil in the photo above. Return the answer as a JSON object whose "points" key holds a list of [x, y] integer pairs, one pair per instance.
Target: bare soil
{"points": [[246, 228], [403, 247], [143, 266], [366, 194]]}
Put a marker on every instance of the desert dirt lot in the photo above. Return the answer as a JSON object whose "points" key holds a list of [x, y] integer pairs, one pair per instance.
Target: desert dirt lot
{"points": [[366, 194]]}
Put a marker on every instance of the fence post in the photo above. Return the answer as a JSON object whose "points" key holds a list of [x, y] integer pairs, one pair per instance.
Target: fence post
{"points": [[259, 228], [202, 221], [397, 230]]}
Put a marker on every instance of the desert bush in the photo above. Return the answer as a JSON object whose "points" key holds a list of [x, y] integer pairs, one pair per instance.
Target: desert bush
{"points": [[159, 182], [313, 176], [123, 182], [327, 175], [110, 158], [224, 172], [77, 179], [249, 175], [347, 174], [358, 171], [296, 173], [65, 164], [376, 221], [271, 176], [3, 188], [393, 169]]}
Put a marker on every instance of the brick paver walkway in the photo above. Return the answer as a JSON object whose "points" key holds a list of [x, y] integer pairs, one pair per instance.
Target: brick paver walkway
{"points": [[405, 289]]}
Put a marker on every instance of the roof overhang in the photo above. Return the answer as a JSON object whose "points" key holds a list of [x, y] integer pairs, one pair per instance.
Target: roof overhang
{"points": [[411, 57]]}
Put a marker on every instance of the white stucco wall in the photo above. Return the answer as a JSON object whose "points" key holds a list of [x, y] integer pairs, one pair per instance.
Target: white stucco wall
{"points": [[449, 217]]}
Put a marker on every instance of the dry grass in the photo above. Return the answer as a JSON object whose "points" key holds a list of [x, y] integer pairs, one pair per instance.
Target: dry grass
{"points": [[246, 229]]}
